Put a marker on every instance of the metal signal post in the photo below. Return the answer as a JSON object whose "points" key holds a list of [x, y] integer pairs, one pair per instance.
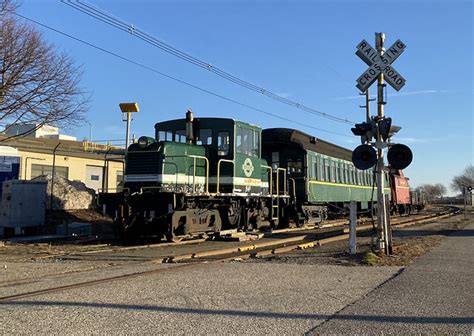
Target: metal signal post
{"points": [[365, 156], [383, 226]]}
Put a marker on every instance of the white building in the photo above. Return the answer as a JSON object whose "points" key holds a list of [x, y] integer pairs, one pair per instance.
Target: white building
{"points": [[45, 131]]}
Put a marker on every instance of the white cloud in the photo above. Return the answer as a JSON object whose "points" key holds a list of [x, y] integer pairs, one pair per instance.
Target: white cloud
{"points": [[284, 94]]}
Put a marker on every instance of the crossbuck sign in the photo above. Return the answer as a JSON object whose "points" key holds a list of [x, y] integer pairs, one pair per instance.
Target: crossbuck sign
{"points": [[380, 64]]}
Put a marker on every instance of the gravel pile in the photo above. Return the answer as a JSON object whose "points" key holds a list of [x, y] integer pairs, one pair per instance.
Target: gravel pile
{"points": [[68, 195]]}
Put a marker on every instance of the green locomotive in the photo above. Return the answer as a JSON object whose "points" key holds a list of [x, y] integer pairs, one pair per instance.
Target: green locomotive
{"points": [[209, 174], [198, 175]]}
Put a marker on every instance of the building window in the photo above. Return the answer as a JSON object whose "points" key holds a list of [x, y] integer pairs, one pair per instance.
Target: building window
{"points": [[119, 179], [38, 170]]}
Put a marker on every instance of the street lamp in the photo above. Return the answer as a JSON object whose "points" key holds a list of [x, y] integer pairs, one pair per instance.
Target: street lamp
{"points": [[90, 131], [128, 108]]}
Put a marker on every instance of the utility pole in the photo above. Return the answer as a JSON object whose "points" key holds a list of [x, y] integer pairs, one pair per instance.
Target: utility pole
{"points": [[368, 117]]}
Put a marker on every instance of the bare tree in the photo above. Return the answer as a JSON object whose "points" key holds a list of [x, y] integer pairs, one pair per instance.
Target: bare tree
{"points": [[432, 191], [38, 84], [466, 179]]}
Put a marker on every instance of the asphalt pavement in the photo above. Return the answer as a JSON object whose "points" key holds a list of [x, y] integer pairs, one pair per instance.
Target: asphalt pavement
{"points": [[434, 295]]}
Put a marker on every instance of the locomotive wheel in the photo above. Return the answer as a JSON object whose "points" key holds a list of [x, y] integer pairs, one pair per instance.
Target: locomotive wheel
{"points": [[130, 229], [233, 216], [176, 234]]}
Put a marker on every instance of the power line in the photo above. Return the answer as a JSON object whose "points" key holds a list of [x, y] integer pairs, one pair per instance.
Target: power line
{"points": [[176, 79], [117, 23]]}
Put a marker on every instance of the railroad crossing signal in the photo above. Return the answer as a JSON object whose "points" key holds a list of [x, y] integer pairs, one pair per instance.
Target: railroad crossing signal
{"points": [[380, 63]]}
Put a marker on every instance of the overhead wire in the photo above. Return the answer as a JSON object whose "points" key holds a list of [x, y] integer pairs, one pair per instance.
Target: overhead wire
{"points": [[117, 23], [177, 79]]}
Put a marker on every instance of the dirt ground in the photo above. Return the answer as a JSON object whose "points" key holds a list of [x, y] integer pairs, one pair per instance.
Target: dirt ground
{"points": [[408, 244]]}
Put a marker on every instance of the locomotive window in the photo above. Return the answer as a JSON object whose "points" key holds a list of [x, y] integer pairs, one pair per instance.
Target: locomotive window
{"points": [[180, 136], [256, 137], [222, 143], [248, 142], [275, 160], [204, 137], [165, 136], [239, 140]]}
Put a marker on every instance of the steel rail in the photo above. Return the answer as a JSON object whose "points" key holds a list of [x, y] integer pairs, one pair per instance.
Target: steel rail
{"points": [[258, 250]]}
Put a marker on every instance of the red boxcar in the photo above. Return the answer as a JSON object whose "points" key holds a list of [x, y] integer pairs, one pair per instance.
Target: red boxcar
{"points": [[401, 201]]}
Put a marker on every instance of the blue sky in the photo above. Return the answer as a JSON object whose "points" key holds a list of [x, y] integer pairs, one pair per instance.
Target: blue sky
{"points": [[302, 50]]}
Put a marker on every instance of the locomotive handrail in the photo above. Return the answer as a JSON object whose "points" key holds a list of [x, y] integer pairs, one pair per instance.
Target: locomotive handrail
{"points": [[219, 171], [294, 187], [194, 171], [278, 181], [271, 177], [194, 157]]}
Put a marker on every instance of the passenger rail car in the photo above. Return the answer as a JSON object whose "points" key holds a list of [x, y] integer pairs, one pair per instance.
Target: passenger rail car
{"points": [[322, 178]]}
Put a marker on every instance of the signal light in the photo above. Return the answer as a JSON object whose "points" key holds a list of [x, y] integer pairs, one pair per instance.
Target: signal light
{"points": [[361, 129], [364, 157], [399, 156], [365, 130], [469, 188], [384, 128]]}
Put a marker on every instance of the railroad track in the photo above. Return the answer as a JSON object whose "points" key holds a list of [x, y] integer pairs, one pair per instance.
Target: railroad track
{"points": [[259, 249]]}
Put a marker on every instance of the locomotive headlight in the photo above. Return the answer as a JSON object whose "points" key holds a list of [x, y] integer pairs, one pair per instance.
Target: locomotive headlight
{"points": [[145, 141]]}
